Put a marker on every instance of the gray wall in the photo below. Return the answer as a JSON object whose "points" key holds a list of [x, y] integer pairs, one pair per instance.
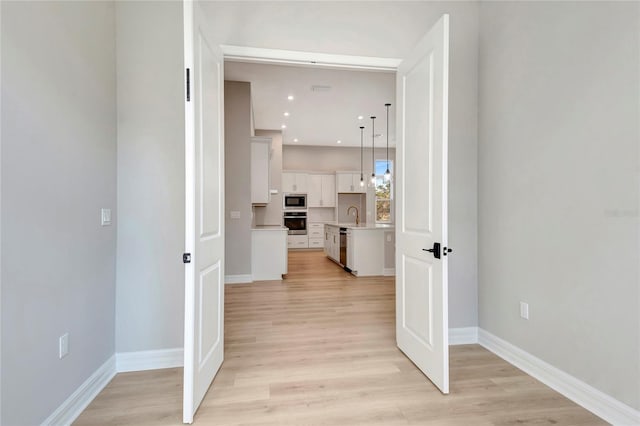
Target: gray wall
{"points": [[237, 155], [271, 214], [558, 186], [58, 171], [150, 275]]}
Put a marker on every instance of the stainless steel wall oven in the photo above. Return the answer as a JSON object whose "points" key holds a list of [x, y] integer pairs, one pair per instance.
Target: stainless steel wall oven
{"points": [[296, 221]]}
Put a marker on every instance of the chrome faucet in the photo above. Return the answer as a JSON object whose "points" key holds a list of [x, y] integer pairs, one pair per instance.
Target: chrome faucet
{"points": [[357, 213]]}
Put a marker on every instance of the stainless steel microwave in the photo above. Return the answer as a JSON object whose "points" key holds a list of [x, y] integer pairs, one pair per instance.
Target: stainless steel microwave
{"points": [[295, 201]]}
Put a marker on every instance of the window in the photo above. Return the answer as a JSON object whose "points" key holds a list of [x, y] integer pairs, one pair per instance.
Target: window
{"points": [[384, 196]]}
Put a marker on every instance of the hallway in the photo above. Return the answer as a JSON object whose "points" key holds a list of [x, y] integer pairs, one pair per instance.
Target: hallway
{"points": [[319, 348]]}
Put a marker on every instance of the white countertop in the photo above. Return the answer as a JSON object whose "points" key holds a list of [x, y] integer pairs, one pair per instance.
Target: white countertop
{"points": [[269, 228], [387, 226]]}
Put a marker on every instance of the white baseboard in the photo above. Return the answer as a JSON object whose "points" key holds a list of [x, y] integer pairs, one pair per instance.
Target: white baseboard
{"points": [[388, 272], [599, 403], [238, 279], [73, 406], [463, 336], [149, 360]]}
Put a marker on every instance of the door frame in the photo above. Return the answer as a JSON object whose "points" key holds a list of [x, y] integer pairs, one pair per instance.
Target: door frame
{"points": [[313, 60]]}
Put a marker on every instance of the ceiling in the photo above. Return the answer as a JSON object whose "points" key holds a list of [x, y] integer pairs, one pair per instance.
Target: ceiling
{"points": [[326, 102]]}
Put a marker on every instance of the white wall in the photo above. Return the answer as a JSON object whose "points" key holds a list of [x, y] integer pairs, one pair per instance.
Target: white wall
{"points": [[150, 274], [237, 164], [388, 29], [58, 171], [558, 185]]}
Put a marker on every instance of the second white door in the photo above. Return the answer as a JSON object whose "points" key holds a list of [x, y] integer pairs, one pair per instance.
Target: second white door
{"points": [[422, 324]]}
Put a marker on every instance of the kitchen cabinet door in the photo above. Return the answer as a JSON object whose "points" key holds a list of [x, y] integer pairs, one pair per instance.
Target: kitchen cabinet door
{"points": [[350, 183], [345, 182], [328, 190], [315, 191], [294, 182]]}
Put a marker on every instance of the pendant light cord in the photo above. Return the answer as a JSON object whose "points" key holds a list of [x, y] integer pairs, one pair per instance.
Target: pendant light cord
{"points": [[361, 151], [373, 146], [387, 105]]}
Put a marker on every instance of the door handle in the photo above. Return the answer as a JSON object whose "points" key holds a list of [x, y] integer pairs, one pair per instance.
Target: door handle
{"points": [[435, 250]]}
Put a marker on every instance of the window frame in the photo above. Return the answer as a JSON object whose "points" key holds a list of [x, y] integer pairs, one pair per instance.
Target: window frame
{"points": [[375, 191]]}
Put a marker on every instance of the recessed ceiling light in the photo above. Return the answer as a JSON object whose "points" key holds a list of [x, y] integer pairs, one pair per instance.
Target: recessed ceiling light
{"points": [[360, 117], [290, 97], [339, 141], [295, 139], [286, 114], [284, 126]]}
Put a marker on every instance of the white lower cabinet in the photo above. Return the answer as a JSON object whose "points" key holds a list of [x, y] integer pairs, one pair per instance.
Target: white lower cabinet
{"points": [[297, 241], [332, 242], [316, 242], [316, 235]]}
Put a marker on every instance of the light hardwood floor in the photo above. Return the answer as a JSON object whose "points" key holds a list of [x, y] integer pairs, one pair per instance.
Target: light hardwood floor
{"points": [[319, 348]]}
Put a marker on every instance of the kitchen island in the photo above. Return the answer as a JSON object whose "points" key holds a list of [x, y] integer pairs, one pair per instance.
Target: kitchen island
{"points": [[269, 255], [367, 249]]}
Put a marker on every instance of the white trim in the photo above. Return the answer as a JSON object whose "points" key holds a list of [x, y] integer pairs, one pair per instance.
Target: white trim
{"points": [[389, 272], [463, 336], [149, 360], [238, 279], [599, 403], [73, 406], [295, 57]]}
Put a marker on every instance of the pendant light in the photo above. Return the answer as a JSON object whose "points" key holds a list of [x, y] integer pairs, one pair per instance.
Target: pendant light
{"points": [[387, 174], [361, 156], [373, 148]]}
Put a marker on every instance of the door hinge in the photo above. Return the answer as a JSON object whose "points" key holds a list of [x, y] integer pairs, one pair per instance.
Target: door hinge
{"points": [[186, 258], [188, 85]]}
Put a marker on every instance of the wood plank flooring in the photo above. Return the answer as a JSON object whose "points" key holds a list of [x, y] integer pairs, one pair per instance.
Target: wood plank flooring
{"points": [[318, 348]]}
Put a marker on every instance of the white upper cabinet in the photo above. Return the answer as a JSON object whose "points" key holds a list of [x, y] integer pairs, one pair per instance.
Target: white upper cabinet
{"points": [[349, 182], [328, 190], [294, 182], [260, 170], [322, 190]]}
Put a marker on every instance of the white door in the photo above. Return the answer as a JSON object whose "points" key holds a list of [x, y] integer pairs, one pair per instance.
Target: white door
{"points": [[421, 193], [204, 219]]}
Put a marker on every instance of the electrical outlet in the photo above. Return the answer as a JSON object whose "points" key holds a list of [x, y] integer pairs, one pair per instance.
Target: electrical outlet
{"points": [[388, 238], [524, 310], [63, 345]]}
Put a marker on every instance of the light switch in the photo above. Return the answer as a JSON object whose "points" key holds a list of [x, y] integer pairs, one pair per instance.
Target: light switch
{"points": [[235, 214], [106, 217], [63, 345]]}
